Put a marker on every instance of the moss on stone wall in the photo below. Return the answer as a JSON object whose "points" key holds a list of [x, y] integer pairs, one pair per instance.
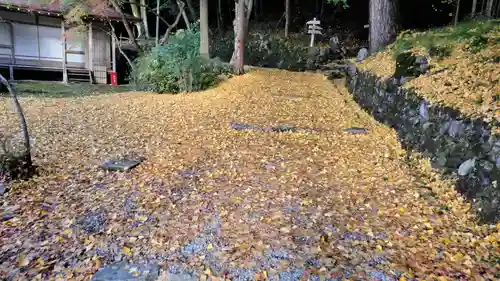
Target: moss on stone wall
{"points": [[458, 146]]}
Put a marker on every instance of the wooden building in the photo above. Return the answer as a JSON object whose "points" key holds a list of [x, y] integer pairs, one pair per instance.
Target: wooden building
{"points": [[37, 38]]}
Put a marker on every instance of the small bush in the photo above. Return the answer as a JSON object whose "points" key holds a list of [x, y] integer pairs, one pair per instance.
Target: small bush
{"points": [[476, 43], [177, 66], [440, 52]]}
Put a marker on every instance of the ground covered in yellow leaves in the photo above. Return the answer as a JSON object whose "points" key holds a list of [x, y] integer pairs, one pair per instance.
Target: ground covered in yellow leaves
{"points": [[466, 79], [233, 204]]}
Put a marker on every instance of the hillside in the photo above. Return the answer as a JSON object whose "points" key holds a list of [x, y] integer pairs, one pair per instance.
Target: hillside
{"points": [[464, 63]]}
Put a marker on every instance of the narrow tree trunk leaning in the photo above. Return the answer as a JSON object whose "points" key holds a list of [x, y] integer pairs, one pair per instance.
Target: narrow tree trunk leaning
{"points": [[125, 23], [489, 8], [22, 124], [474, 5], [165, 37], [287, 16], [144, 17], [183, 13], [136, 13], [239, 38], [382, 23], [204, 40], [192, 12], [118, 45], [457, 10]]}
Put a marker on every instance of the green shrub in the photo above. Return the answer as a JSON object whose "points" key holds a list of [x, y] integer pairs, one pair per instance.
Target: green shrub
{"points": [[440, 52], [177, 66]]}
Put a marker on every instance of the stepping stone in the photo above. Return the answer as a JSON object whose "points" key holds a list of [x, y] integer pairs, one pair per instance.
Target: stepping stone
{"points": [[244, 127], [3, 188], [127, 272], [121, 164], [6, 216], [283, 129], [356, 130], [181, 277]]}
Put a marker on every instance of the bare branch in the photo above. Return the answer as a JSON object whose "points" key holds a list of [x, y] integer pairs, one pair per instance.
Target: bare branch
{"points": [[112, 33], [173, 25], [126, 23]]}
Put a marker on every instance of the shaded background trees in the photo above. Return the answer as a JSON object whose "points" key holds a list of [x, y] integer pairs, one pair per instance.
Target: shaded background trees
{"points": [[269, 33]]}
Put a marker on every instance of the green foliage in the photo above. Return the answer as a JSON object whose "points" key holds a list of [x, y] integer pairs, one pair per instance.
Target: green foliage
{"points": [[439, 42], [343, 2], [177, 66]]}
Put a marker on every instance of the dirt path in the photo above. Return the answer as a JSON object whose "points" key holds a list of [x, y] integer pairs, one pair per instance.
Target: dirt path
{"points": [[214, 200]]}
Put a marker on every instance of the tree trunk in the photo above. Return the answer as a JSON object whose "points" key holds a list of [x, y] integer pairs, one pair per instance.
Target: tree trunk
{"points": [[489, 8], [457, 10], [220, 20], [22, 123], [474, 5], [247, 4], [239, 38], [144, 17], [204, 40], [192, 12], [136, 13], [382, 23], [287, 16]]}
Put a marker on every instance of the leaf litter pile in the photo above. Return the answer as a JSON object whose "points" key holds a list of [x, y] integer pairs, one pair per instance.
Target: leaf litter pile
{"points": [[231, 203]]}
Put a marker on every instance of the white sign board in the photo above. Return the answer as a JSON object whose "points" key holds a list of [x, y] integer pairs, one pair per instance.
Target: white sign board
{"points": [[313, 22], [313, 29]]}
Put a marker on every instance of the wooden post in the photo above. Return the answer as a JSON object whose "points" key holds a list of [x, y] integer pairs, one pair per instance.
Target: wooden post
{"points": [[12, 52], [91, 48], [113, 51], [63, 36], [37, 35]]}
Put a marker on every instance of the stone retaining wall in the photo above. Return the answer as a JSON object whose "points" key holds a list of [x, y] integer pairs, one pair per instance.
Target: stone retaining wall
{"points": [[460, 147]]}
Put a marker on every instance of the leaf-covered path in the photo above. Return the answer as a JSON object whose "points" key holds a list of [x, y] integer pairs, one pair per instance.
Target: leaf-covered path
{"points": [[316, 202]]}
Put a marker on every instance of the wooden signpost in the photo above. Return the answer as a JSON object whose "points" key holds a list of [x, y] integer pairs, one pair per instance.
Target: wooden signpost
{"points": [[313, 29]]}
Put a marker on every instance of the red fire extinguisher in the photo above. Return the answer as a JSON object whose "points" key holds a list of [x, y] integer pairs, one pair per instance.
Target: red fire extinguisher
{"points": [[114, 79]]}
